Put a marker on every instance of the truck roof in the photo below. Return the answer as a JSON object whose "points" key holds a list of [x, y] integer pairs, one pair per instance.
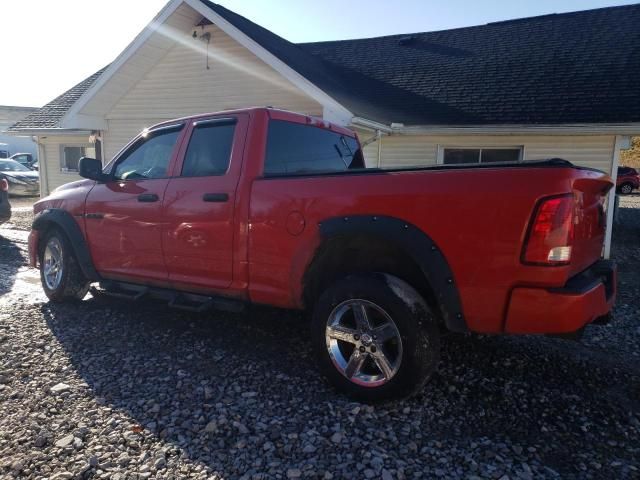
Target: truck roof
{"points": [[274, 113]]}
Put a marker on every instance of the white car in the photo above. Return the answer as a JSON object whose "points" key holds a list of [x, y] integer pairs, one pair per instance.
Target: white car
{"points": [[21, 180]]}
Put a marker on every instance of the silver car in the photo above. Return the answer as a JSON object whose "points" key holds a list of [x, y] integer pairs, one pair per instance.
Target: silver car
{"points": [[21, 180]]}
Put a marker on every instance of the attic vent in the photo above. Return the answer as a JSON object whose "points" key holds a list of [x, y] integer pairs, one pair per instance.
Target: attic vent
{"points": [[203, 22], [407, 40]]}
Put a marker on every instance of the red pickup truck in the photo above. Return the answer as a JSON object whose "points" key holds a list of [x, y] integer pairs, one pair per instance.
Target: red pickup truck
{"points": [[628, 180], [272, 207]]}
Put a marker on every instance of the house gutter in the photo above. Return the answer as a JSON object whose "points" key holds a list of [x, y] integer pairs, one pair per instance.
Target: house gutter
{"points": [[575, 129], [621, 143], [370, 125], [516, 129], [47, 131]]}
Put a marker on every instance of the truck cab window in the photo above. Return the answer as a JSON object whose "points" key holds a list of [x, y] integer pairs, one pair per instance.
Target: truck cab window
{"points": [[209, 149], [294, 148], [148, 157]]}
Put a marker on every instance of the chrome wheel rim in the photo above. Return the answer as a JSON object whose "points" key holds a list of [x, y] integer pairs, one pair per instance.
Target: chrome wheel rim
{"points": [[364, 343], [626, 189], [52, 266]]}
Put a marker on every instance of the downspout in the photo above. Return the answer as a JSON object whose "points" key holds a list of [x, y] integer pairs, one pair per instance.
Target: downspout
{"points": [[619, 144], [96, 139], [43, 168], [378, 128], [376, 138]]}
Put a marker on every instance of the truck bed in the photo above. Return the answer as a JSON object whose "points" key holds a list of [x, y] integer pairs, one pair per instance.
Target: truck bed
{"points": [[477, 215]]}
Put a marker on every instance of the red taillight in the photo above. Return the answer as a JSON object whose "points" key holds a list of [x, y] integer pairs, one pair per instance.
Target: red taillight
{"points": [[4, 185], [550, 237]]}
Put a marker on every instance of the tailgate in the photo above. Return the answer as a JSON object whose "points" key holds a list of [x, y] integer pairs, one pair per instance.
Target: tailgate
{"points": [[590, 220]]}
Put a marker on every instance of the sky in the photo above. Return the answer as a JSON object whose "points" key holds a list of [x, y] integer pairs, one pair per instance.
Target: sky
{"points": [[47, 46]]}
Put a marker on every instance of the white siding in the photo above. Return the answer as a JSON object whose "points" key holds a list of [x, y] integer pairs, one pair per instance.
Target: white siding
{"points": [[149, 54], [397, 151], [54, 175], [586, 150], [120, 132], [179, 84]]}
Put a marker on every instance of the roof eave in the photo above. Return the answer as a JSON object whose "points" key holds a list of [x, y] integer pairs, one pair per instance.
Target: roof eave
{"points": [[332, 109], [72, 117], [371, 125], [632, 128], [47, 131]]}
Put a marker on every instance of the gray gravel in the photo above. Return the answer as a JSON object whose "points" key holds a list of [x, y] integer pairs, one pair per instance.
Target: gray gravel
{"points": [[109, 389], [21, 213]]}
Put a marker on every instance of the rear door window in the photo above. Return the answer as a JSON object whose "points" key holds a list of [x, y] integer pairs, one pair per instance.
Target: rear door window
{"points": [[294, 148], [209, 150]]}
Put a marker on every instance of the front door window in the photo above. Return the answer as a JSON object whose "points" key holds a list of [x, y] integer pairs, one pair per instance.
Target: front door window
{"points": [[149, 157]]}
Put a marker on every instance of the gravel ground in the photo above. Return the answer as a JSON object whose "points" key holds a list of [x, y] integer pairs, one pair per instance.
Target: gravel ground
{"points": [[21, 213], [105, 389]]}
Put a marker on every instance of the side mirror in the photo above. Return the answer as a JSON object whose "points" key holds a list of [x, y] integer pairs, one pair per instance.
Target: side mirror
{"points": [[92, 169]]}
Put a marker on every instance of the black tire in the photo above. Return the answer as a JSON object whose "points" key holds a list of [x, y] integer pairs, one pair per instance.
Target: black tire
{"points": [[72, 285], [416, 326], [625, 188]]}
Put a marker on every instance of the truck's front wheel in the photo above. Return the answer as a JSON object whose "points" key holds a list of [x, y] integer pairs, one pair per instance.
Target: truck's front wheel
{"points": [[375, 337], [62, 279]]}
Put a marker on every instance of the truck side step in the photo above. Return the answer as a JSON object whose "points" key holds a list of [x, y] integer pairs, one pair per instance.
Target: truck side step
{"points": [[183, 303], [190, 302], [197, 303], [117, 291]]}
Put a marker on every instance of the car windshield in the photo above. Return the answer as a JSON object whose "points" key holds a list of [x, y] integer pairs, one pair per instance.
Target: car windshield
{"points": [[12, 166]]}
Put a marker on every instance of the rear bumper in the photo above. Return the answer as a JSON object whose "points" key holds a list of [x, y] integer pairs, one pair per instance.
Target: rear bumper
{"points": [[585, 298]]}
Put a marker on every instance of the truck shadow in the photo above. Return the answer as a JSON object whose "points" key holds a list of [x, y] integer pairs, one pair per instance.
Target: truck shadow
{"points": [[626, 252], [10, 260], [254, 375]]}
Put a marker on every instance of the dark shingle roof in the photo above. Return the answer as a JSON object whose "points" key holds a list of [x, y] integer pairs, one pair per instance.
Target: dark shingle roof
{"points": [[579, 67], [49, 115]]}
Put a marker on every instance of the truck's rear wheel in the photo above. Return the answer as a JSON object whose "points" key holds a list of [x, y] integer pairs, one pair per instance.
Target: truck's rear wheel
{"points": [[375, 337], [61, 277], [626, 188]]}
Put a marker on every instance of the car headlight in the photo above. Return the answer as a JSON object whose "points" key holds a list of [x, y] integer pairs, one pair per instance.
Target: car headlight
{"points": [[15, 181]]}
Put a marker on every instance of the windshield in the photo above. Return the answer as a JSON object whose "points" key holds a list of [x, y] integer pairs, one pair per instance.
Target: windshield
{"points": [[12, 166]]}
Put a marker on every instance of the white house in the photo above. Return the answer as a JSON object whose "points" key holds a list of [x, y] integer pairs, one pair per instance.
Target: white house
{"points": [[552, 86]]}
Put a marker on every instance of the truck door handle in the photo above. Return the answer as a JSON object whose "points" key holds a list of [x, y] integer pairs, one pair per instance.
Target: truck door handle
{"points": [[148, 197], [215, 197]]}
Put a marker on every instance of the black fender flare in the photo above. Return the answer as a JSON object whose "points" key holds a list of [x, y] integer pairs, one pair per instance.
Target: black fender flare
{"points": [[56, 217], [420, 247]]}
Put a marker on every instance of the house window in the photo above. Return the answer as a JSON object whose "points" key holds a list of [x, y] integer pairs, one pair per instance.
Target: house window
{"points": [[70, 155], [455, 155]]}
